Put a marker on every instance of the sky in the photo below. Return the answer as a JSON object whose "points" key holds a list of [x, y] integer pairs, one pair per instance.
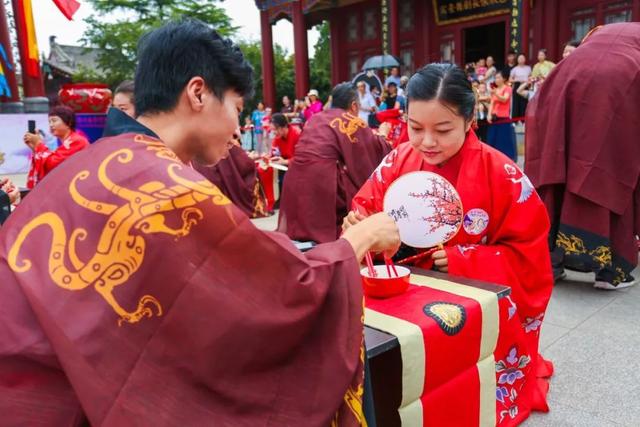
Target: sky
{"points": [[244, 13]]}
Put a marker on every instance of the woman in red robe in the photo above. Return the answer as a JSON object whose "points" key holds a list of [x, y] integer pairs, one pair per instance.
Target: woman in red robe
{"points": [[505, 227], [62, 123]]}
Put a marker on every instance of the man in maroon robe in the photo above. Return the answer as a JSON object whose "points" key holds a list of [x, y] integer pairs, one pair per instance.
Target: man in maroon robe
{"points": [[583, 154], [134, 292], [237, 177], [336, 154]]}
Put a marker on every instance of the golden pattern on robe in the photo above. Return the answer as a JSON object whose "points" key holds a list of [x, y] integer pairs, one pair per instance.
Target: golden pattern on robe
{"points": [[349, 126], [121, 247]]}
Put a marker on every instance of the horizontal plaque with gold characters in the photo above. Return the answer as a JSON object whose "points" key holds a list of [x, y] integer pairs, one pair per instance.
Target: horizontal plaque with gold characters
{"points": [[453, 11]]}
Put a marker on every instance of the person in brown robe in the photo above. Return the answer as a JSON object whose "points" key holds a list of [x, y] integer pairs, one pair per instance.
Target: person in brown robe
{"points": [[134, 293], [336, 153], [583, 156], [236, 176]]}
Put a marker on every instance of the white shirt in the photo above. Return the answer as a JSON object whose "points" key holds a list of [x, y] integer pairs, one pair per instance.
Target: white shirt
{"points": [[366, 102]]}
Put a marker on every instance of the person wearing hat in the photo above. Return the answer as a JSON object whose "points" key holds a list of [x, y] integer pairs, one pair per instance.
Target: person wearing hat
{"points": [[62, 124], [314, 105]]}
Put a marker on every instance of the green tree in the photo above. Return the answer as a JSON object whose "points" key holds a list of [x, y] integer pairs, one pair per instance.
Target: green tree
{"points": [[118, 39], [320, 64]]}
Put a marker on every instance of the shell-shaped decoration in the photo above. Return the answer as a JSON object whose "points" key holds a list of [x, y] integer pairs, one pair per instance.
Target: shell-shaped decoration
{"points": [[450, 317]]}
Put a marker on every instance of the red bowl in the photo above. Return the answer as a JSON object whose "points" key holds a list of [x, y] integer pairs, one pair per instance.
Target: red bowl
{"points": [[384, 286]]}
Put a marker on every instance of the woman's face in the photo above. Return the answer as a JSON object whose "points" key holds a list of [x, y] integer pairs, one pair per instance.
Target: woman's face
{"points": [[542, 56], [435, 130], [122, 102], [57, 127], [499, 79], [490, 61], [522, 59], [260, 106]]}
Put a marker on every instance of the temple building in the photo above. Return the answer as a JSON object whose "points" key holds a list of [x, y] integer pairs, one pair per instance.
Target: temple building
{"points": [[422, 31]]}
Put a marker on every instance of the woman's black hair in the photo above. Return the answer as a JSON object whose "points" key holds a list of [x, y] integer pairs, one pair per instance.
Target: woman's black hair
{"points": [[574, 43], [446, 83]]}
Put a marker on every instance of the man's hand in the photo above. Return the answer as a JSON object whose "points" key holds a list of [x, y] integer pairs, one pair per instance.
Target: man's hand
{"points": [[351, 219]]}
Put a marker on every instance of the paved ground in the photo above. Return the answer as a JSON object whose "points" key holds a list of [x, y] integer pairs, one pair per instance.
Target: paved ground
{"points": [[593, 338]]}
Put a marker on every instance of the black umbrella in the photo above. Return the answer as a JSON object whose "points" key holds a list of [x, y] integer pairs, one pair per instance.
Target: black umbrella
{"points": [[381, 61]]}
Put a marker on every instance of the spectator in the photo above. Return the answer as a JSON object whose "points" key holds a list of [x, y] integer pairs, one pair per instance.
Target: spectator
{"points": [[483, 100], [481, 69], [286, 138], [298, 112], [365, 101], [9, 195], [519, 76], [313, 104], [393, 77], [266, 132], [62, 123], [287, 108], [256, 118], [570, 47], [247, 135], [501, 135], [529, 89], [470, 72], [123, 98], [490, 75], [403, 86], [542, 67], [390, 98], [511, 62]]}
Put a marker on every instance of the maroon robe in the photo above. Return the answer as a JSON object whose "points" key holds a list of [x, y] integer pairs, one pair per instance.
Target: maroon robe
{"points": [[134, 292], [336, 154], [237, 178], [583, 152]]}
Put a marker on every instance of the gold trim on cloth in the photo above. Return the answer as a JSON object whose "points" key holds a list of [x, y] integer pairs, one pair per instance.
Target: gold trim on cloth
{"points": [[413, 359]]}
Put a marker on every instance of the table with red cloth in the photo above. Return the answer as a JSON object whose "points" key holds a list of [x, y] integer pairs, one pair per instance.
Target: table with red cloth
{"points": [[433, 353]]}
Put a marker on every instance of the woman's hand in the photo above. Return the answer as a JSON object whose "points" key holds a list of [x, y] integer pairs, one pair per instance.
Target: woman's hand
{"points": [[489, 119], [385, 129], [377, 233], [440, 260], [351, 219], [32, 140]]}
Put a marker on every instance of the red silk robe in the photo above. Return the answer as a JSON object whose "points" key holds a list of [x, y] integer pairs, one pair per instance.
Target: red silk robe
{"points": [[44, 160], [135, 293], [503, 240], [237, 177], [335, 155]]}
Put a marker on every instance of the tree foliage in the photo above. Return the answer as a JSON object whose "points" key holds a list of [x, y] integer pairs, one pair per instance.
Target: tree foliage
{"points": [[118, 39], [320, 64]]}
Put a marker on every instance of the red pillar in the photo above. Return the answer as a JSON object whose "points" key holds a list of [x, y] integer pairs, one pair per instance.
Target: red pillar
{"points": [[33, 87], [636, 11], [5, 40], [524, 39], [268, 78], [394, 28], [301, 51], [334, 30]]}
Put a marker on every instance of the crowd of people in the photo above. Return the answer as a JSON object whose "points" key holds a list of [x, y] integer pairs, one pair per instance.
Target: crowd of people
{"points": [[163, 182]]}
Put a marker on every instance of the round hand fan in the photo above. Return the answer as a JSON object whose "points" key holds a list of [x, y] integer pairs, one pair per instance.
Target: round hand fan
{"points": [[426, 207]]}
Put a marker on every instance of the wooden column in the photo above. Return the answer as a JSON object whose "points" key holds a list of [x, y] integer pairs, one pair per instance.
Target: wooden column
{"points": [[5, 40], [394, 27], [636, 11], [334, 31], [268, 78], [301, 51], [526, 14]]}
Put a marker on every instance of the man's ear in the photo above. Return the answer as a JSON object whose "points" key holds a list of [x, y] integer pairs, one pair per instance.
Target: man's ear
{"points": [[194, 91]]}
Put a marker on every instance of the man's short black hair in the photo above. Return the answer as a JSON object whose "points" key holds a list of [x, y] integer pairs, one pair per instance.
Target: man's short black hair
{"points": [[173, 54], [343, 95], [279, 120]]}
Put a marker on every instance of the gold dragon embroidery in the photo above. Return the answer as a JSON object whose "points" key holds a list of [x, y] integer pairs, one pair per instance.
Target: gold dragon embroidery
{"points": [[350, 127], [121, 246]]}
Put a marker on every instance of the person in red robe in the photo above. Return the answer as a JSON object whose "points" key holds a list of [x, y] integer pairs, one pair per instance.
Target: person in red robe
{"points": [[237, 177], [583, 156], [504, 234], [134, 291], [336, 154], [62, 123]]}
